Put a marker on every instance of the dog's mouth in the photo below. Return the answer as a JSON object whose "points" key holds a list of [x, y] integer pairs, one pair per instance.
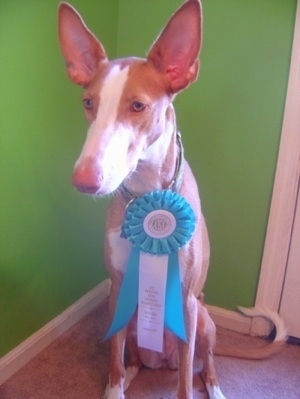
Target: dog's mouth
{"points": [[100, 191]]}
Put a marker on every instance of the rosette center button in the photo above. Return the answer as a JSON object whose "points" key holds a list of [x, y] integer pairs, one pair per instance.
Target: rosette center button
{"points": [[159, 224]]}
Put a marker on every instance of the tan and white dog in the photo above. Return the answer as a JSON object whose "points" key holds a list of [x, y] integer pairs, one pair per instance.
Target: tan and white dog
{"points": [[133, 147]]}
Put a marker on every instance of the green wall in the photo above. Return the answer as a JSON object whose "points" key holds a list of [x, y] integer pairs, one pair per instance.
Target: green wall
{"points": [[242, 91], [231, 123], [51, 237]]}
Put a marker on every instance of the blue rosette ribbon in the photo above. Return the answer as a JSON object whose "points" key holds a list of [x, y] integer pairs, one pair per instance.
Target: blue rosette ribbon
{"points": [[158, 223]]}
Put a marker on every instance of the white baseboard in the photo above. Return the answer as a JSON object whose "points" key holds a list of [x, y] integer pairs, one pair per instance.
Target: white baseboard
{"points": [[229, 319], [23, 353]]}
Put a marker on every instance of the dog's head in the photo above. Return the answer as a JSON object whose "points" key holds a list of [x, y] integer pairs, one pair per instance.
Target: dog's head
{"points": [[127, 101]]}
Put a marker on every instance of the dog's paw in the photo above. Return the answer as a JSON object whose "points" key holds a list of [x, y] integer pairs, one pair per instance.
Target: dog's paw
{"points": [[115, 392], [214, 392], [131, 373]]}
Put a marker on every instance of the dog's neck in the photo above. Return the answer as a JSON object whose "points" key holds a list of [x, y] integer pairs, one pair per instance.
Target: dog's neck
{"points": [[168, 176], [157, 173]]}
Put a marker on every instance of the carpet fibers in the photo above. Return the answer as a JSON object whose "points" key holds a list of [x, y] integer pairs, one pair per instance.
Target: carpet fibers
{"points": [[75, 366]]}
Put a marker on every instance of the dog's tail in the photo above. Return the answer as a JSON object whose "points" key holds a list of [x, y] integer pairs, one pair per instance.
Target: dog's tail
{"points": [[258, 353]]}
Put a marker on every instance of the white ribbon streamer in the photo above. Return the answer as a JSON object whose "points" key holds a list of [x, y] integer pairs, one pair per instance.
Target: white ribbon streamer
{"points": [[151, 300]]}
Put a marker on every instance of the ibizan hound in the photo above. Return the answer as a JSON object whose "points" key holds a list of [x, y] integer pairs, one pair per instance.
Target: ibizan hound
{"points": [[133, 147]]}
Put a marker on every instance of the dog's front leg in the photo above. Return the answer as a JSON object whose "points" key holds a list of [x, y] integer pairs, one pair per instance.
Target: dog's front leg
{"points": [[206, 331], [116, 255], [186, 350], [115, 387]]}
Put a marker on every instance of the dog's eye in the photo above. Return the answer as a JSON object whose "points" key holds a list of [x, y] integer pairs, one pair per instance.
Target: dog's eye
{"points": [[88, 104], [137, 106]]}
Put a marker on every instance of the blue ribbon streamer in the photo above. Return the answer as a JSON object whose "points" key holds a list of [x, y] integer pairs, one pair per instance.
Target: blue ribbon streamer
{"points": [[174, 315], [128, 295]]}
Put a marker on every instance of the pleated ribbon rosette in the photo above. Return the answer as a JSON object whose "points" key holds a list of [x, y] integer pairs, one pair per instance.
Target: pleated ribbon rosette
{"points": [[157, 224]]}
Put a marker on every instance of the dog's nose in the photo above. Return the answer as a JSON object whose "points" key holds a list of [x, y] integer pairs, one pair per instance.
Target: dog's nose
{"points": [[86, 177]]}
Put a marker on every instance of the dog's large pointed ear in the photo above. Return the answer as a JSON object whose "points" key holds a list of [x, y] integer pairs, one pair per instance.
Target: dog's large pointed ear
{"points": [[175, 52], [82, 51]]}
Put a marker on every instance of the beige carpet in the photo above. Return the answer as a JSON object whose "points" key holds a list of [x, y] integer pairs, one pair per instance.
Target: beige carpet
{"points": [[76, 367]]}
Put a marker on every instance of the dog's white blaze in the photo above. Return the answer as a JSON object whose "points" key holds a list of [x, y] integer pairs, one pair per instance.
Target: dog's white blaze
{"points": [[114, 161], [107, 140], [110, 95]]}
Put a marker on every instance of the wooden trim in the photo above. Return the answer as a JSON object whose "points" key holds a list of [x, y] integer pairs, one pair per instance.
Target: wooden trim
{"points": [[22, 354], [229, 319], [284, 194]]}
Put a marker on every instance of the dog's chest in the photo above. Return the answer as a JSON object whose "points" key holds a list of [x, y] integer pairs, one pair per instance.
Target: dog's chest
{"points": [[119, 249]]}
